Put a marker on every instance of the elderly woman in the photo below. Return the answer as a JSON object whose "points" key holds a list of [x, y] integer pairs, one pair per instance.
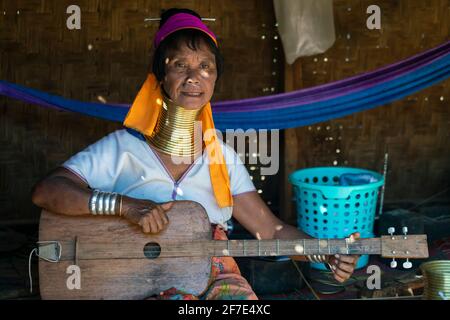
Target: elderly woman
{"points": [[139, 171]]}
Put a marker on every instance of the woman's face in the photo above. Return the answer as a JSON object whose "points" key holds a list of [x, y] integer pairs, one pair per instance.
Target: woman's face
{"points": [[190, 76]]}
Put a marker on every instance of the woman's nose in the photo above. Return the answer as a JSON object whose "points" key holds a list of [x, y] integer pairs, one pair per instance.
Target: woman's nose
{"points": [[193, 77], [192, 80]]}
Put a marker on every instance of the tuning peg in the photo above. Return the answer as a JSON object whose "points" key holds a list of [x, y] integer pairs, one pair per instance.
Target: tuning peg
{"points": [[391, 231], [405, 232], [393, 263], [407, 264]]}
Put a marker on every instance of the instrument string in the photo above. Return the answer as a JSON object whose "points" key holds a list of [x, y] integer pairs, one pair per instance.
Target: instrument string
{"points": [[216, 248], [29, 268]]}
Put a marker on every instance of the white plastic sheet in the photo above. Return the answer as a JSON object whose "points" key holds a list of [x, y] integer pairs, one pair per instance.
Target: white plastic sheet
{"points": [[306, 27]]}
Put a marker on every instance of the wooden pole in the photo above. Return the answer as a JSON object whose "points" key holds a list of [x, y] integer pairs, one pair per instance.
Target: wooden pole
{"points": [[292, 81]]}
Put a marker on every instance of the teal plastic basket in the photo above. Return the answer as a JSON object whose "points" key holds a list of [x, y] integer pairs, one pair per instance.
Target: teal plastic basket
{"points": [[326, 209]]}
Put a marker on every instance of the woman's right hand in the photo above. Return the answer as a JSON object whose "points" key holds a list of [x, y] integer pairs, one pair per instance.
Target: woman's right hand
{"points": [[151, 216]]}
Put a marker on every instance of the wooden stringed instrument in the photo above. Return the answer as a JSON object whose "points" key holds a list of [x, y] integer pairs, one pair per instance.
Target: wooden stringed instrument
{"points": [[117, 260]]}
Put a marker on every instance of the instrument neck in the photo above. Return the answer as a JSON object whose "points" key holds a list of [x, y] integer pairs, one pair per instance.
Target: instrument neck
{"points": [[260, 248]]}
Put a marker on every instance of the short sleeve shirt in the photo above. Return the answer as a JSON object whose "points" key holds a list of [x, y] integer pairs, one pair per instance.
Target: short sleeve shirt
{"points": [[123, 162]]}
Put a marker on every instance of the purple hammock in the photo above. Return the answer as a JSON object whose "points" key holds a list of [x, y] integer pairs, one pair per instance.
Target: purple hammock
{"points": [[288, 110]]}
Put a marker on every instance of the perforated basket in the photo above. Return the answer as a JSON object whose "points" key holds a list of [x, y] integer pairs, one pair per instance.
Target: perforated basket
{"points": [[326, 209]]}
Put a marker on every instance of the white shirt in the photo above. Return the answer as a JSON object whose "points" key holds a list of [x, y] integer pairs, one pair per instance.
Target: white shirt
{"points": [[123, 162]]}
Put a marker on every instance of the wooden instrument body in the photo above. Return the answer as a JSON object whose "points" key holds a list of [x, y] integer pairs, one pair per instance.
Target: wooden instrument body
{"points": [[115, 259], [107, 274]]}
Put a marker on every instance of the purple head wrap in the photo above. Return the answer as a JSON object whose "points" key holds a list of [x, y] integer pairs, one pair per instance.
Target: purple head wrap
{"points": [[181, 21]]}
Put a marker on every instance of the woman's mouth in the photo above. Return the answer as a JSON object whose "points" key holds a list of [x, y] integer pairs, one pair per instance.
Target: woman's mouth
{"points": [[192, 94]]}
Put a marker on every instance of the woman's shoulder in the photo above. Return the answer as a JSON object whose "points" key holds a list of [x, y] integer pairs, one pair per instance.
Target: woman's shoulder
{"points": [[122, 138], [124, 135], [129, 132]]}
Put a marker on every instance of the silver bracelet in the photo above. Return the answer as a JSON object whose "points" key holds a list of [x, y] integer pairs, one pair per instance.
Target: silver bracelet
{"points": [[100, 205], [317, 258], [103, 203], [106, 203], [112, 208], [93, 202]]}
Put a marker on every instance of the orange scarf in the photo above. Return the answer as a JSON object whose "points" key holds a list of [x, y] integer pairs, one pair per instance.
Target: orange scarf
{"points": [[143, 116]]}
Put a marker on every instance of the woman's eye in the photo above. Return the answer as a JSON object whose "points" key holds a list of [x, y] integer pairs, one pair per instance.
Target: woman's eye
{"points": [[205, 66], [180, 65]]}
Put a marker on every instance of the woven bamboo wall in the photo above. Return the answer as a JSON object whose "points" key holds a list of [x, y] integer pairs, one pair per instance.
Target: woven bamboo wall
{"points": [[106, 60], [414, 131]]}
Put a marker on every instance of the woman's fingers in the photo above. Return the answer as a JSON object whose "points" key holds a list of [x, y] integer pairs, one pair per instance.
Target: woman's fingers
{"points": [[343, 274], [343, 266], [338, 277], [156, 215], [149, 224], [155, 226], [152, 217], [340, 274], [347, 258], [144, 223], [162, 215], [154, 221], [165, 218], [167, 206], [356, 235], [346, 267]]}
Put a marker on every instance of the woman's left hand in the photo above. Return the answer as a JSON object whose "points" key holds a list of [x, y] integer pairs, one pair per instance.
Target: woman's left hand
{"points": [[343, 266]]}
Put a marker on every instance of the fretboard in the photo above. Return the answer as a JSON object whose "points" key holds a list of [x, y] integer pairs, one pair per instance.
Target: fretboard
{"points": [[220, 248], [256, 248]]}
